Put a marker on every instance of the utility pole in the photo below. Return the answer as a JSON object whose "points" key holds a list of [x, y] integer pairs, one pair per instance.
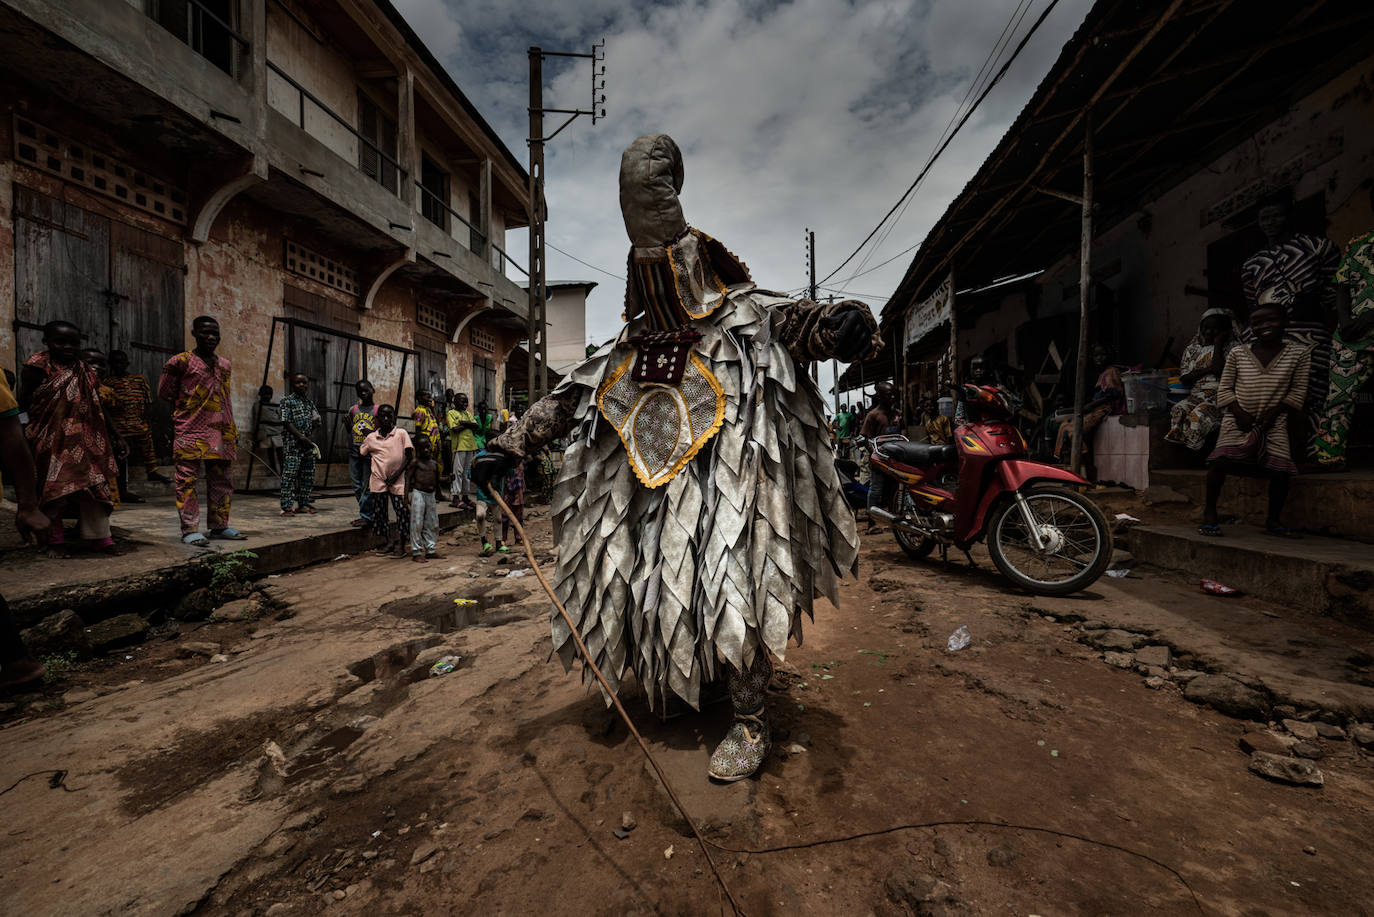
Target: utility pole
{"points": [[538, 327], [1085, 250], [811, 268]]}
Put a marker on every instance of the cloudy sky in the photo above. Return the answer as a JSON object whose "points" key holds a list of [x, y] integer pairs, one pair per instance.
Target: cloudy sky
{"points": [[811, 113]]}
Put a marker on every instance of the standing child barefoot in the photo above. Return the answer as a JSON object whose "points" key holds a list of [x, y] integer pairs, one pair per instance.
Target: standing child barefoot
{"points": [[391, 452], [513, 492], [425, 479]]}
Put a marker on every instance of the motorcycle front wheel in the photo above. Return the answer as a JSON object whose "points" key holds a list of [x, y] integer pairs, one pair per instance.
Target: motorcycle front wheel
{"points": [[1074, 548]]}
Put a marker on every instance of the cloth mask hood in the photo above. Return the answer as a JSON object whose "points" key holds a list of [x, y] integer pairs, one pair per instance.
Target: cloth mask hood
{"points": [[675, 273]]}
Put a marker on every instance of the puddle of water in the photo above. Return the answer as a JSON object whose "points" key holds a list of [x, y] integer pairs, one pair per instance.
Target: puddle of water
{"points": [[390, 662], [443, 615], [314, 758]]}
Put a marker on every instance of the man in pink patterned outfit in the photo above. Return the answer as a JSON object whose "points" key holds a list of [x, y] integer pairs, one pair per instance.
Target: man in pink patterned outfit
{"points": [[196, 382]]}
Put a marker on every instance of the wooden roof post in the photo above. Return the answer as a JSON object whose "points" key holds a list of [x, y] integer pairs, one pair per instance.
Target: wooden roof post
{"points": [[1084, 288]]}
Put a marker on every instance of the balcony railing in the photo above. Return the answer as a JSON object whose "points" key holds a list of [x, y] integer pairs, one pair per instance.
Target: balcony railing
{"points": [[205, 30], [435, 208], [325, 125]]}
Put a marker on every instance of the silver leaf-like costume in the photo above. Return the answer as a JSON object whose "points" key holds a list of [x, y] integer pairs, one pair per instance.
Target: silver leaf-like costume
{"points": [[696, 519]]}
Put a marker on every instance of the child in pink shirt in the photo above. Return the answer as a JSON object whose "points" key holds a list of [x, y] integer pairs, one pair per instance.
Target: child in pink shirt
{"points": [[391, 452]]}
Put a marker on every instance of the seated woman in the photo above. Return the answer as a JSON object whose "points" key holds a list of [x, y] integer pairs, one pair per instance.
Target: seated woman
{"points": [[1262, 385], [1197, 416], [1108, 398]]}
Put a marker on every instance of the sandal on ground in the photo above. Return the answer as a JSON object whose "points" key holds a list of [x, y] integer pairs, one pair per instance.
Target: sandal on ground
{"points": [[1281, 531], [228, 534], [195, 539], [1209, 530], [288, 512], [383, 551], [159, 477], [307, 510]]}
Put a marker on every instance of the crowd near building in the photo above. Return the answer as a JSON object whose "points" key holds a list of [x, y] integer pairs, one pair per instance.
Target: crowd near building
{"points": [[1191, 160], [303, 171]]}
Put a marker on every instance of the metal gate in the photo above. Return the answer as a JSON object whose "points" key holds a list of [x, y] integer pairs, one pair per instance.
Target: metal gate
{"points": [[122, 286]]}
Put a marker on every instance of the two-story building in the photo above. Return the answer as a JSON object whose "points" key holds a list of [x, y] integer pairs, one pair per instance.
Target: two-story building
{"points": [[305, 171]]}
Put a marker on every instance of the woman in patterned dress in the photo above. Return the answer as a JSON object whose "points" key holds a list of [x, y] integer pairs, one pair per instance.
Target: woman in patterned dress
{"points": [[74, 443], [1198, 415]]}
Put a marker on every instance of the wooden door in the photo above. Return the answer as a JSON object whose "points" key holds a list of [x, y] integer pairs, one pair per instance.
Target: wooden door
{"points": [[329, 360], [61, 270], [148, 281]]}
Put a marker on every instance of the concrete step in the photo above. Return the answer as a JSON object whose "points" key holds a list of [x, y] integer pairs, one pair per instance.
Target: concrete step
{"points": [[1329, 504], [1327, 576]]}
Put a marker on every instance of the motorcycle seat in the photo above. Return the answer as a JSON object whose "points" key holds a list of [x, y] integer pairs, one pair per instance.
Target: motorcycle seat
{"points": [[920, 455]]}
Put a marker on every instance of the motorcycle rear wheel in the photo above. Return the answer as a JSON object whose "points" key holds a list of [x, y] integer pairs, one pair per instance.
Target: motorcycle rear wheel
{"points": [[1081, 545], [917, 547]]}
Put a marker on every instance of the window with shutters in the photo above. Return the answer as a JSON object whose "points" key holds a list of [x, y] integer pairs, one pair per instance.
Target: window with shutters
{"points": [[377, 144]]}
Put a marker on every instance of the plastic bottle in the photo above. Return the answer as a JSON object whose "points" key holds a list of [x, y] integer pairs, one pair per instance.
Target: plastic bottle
{"points": [[959, 639]]}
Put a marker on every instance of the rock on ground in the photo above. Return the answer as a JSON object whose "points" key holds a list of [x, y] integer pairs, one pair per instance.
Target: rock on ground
{"points": [[1155, 656], [116, 632], [1120, 660], [1251, 742], [1285, 769], [1227, 696], [1114, 639], [198, 648], [1363, 735], [63, 632], [1305, 731]]}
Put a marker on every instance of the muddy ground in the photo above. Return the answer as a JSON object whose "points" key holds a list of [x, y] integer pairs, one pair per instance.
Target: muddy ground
{"points": [[319, 769]]}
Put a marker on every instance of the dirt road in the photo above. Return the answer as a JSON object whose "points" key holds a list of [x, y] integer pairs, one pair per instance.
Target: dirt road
{"points": [[496, 788]]}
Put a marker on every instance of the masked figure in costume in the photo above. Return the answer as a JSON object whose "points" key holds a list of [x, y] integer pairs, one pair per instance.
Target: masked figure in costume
{"points": [[698, 511]]}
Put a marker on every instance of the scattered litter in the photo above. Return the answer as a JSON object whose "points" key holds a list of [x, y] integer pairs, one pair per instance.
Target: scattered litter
{"points": [[218, 657], [128, 657], [444, 666], [377, 833], [341, 557], [1054, 752], [1212, 587], [868, 703], [514, 573], [465, 602], [668, 854], [1126, 517], [1120, 572], [274, 576], [959, 639]]}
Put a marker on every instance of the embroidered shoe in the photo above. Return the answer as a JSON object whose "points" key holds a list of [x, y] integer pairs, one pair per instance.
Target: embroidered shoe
{"points": [[744, 748]]}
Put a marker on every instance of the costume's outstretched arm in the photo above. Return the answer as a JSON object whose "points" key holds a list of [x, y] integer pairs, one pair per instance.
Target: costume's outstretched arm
{"points": [[844, 330], [548, 419]]}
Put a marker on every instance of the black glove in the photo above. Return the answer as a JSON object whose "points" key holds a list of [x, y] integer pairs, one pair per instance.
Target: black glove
{"points": [[488, 467], [852, 335]]}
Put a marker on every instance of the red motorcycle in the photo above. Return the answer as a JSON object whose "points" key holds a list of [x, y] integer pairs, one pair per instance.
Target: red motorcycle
{"points": [[1042, 535]]}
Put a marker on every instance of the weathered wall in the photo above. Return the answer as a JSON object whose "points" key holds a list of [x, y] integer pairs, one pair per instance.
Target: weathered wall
{"points": [[567, 308], [321, 69], [1330, 133]]}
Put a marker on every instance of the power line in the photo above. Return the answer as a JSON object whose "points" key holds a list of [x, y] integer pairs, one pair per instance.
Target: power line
{"points": [[583, 263], [943, 146], [976, 85]]}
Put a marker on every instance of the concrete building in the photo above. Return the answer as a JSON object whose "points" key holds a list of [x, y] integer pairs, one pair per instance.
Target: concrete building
{"points": [[567, 323], [303, 170]]}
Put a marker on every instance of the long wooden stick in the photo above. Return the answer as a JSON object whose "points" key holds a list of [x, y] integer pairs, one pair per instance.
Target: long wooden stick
{"points": [[644, 746]]}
